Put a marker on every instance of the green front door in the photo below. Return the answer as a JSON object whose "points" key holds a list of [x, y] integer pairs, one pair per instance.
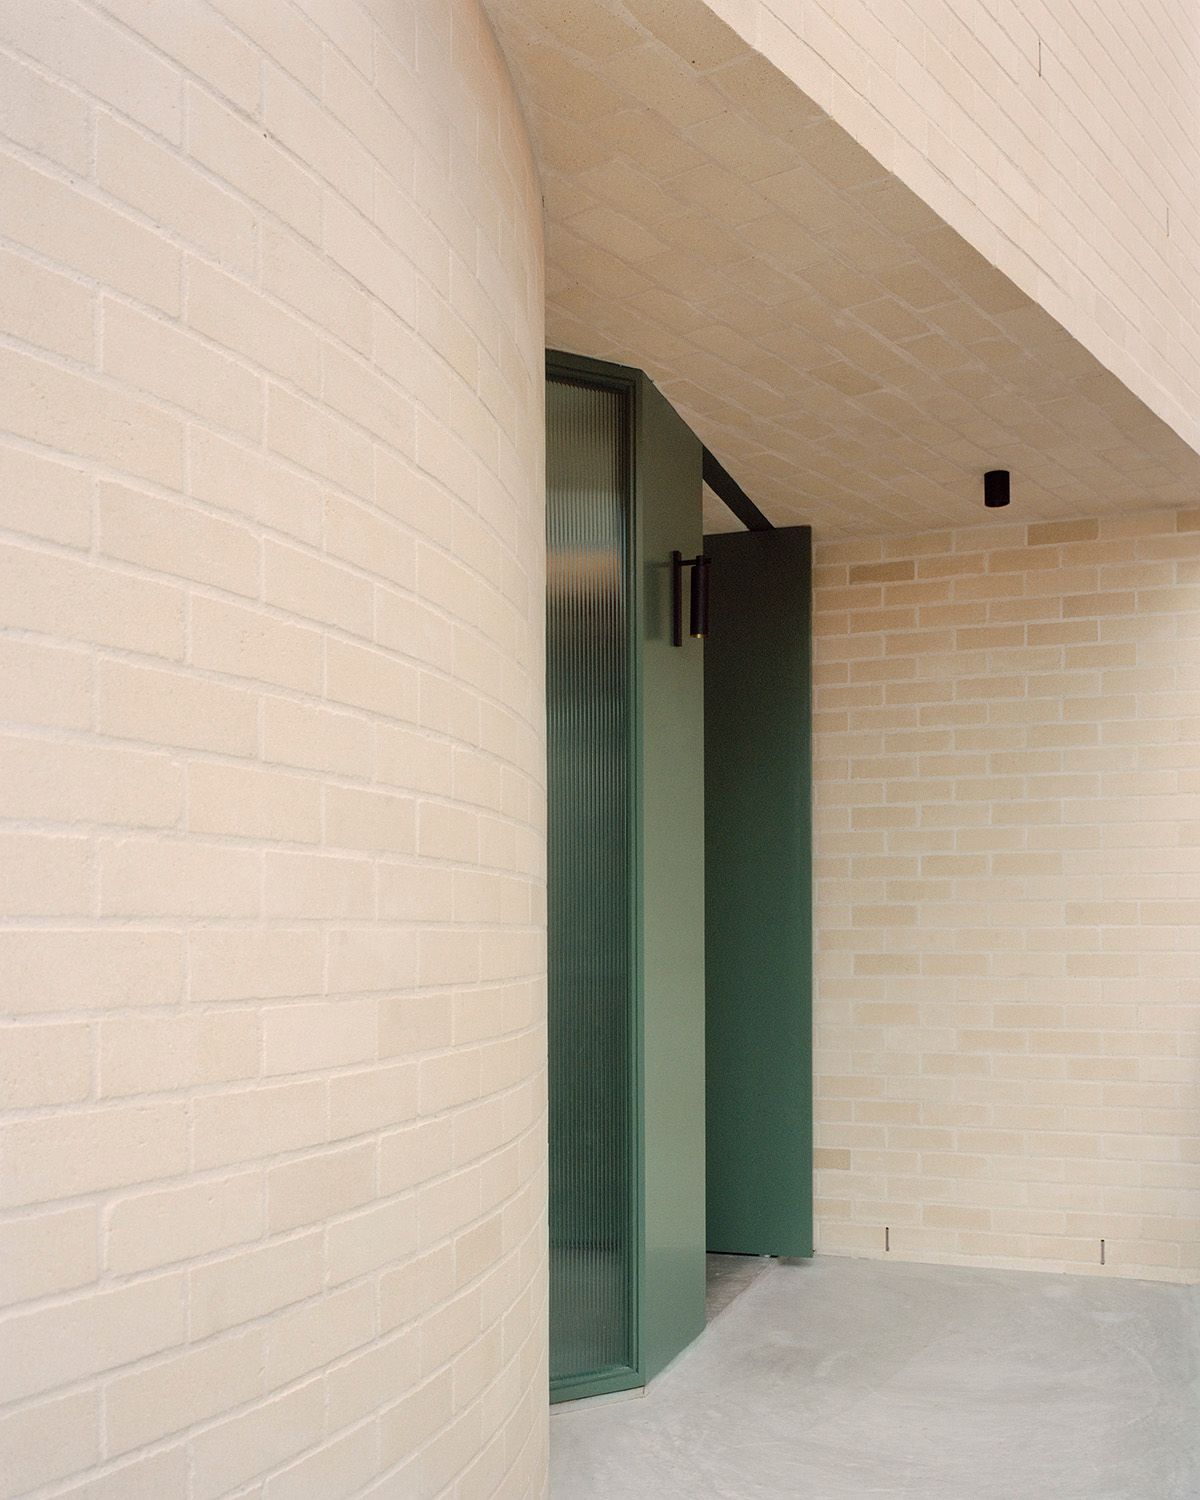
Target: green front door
{"points": [[672, 840], [759, 902]]}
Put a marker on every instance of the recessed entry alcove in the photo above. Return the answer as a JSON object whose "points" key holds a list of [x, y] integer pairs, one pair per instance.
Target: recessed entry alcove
{"points": [[679, 882]]}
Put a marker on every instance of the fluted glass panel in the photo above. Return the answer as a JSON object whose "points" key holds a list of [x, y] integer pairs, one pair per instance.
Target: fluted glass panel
{"points": [[589, 702]]}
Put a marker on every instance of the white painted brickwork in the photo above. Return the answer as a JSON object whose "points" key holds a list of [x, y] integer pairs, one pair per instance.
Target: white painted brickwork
{"points": [[272, 1177], [1008, 924]]}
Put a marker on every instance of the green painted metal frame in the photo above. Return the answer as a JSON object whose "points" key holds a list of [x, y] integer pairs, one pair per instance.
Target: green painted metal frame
{"points": [[627, 381]]}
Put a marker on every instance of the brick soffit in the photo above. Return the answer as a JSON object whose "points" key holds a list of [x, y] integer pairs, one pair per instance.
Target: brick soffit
{"points": [[852, 359]]}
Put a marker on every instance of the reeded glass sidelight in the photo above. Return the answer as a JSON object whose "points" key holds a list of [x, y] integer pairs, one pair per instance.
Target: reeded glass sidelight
{"points": [[589, 692]]}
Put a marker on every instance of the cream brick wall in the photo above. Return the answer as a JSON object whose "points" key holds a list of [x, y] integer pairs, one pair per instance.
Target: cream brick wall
{"points": [[1008, 924], [272, 1151]]}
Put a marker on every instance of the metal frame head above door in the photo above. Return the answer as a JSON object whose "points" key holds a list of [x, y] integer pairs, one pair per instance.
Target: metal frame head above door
{"points": [[726, 488]]}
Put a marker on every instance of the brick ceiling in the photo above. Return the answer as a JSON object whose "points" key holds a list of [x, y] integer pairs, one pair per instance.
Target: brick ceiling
{"points": [[851, 360]]}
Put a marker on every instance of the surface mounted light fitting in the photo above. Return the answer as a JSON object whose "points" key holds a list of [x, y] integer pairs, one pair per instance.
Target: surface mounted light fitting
{"points": [[996, 488], [698, 622]]}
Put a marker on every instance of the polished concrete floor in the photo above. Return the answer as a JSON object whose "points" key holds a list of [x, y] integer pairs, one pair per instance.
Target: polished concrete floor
{"points": [[842, 1380], [728, 1277]]}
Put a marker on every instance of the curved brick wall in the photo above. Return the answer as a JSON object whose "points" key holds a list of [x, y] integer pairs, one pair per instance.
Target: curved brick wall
{"points": [[271, 1193]]}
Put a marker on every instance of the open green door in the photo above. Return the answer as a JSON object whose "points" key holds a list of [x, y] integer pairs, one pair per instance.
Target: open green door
{"points": [[759, 893], [672, 743]]}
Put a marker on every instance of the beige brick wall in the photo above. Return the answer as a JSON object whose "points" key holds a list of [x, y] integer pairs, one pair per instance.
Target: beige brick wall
{"points": [[1008, 915], [1059, 141], [271, 1064]]}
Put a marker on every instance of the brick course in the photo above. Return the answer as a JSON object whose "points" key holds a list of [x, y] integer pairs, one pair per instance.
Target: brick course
{"points": [[1007, 794], [272, 528]]}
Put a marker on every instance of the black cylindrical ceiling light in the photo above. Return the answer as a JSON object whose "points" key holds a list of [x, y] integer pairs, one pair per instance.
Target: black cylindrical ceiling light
{"points": [[996, 488]]}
